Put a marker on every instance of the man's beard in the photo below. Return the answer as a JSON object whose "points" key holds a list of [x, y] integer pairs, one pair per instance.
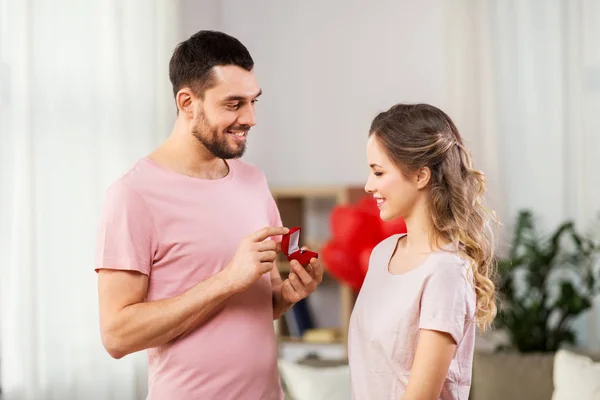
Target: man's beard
{"points": [[216, 142]]}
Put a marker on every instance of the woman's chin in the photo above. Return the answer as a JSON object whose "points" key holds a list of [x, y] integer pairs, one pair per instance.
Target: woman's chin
{"points": [[389, 215], [385, 215]]}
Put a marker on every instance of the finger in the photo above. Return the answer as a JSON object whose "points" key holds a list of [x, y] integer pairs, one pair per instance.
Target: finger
{"points": [[267, 232], [302, 273], [267, 245], [316, 269], [266, 266], [297, 284], [309, 269], [288, 292], [267, 256]]}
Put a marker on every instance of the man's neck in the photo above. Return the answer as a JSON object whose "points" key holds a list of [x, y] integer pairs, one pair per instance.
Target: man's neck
{"points": [[184, 154]]}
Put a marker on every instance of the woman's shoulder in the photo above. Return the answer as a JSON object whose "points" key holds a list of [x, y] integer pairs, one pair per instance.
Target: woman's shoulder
{"points": [[451, 257], [388, 244], [450, 267], [380, 254]]}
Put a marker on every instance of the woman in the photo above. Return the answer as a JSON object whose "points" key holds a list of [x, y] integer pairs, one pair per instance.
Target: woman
{"points": [[412, 330]]}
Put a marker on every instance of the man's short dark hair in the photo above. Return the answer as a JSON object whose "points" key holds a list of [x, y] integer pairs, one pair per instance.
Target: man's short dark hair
{"points": [[193, 60]]}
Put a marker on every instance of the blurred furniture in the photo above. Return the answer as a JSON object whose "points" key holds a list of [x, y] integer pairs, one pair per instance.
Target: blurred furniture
{"points": [[531, 376], [315, 379], [309, 207], [564, 375]]}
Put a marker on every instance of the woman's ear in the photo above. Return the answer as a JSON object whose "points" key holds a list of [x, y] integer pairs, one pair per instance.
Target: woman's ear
{"points": [[422, 177]]}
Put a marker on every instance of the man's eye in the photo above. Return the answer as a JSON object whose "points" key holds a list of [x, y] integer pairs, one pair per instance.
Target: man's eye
{"points": [[233, 106]]}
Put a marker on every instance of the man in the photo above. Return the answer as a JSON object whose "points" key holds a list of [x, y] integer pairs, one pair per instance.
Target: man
{"points": [[188, 242]]}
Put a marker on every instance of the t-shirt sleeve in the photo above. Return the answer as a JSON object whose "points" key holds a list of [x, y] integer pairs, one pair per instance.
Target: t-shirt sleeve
{"points": [[444, 302], [126, 238]]}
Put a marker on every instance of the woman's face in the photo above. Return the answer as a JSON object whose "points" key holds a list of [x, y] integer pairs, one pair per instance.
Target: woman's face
{"points": [[396, 194]]}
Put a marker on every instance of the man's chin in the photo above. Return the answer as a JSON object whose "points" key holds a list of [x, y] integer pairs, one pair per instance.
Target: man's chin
{"points": [[238, 152], [232, 154]]}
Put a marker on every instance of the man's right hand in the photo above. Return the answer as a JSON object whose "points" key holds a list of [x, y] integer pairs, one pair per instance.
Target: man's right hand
{"points": [[254, 257], [129, 323]]}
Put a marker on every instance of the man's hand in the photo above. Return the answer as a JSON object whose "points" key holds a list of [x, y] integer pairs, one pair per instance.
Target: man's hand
{"points": [[129, 323], [254, 257], [301, 281]]}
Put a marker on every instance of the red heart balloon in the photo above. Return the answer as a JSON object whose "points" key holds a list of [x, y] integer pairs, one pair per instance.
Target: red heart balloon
{"points": [[341, 265], [356, 229], [364, 258], [353, 229], [368, 204]]}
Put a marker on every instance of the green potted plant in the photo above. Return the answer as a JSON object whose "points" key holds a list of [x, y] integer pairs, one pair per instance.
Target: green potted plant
{"points": [[544, 284]]}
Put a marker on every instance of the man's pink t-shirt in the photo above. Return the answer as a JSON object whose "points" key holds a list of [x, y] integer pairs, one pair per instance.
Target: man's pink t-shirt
{"points": [[179, 231], [391, 309]]}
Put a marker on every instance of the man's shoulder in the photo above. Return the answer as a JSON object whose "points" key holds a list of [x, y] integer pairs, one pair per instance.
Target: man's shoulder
{"points": [[132, 180]]}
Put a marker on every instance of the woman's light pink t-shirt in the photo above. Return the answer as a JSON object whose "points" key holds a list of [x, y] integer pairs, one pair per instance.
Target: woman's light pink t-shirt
{"points": [[390, 311]]}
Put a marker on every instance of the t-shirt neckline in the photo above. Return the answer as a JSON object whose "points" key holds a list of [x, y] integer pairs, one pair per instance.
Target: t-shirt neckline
{"points": [[418, 267], [226, 178], [411, 271]]}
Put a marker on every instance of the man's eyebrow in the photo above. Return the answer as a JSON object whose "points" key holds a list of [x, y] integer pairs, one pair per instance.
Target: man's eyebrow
{"points": [[240, 98]]}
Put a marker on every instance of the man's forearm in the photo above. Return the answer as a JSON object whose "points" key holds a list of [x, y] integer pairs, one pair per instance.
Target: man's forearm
{"points": [[280, 306], [151, 324]]}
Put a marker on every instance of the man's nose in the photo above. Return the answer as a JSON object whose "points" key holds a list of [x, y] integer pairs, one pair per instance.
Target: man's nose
{"points": [[247, 117]]}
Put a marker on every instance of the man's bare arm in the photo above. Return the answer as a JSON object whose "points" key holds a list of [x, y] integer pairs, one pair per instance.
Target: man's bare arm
{"points": [[128, 324]]}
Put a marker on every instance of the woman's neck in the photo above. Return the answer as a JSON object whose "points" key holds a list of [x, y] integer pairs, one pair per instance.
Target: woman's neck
{"points": [[420, 230]]}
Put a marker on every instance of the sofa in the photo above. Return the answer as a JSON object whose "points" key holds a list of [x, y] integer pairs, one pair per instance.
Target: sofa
{"points": [[536, 376]]}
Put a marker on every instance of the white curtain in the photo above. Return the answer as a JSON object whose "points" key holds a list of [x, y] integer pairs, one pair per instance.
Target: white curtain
{"points": [[524, 86], [84, 92]]}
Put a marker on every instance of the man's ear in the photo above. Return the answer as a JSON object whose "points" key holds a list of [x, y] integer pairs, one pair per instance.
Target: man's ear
{"points": [[185, 102], [422, 177]]}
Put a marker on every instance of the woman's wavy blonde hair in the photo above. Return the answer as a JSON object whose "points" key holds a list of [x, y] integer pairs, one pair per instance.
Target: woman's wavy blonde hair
{"points": [[420, 135]]}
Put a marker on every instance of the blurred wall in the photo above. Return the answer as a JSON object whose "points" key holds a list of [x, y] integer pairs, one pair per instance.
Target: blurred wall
{"points": [[326, 69]]}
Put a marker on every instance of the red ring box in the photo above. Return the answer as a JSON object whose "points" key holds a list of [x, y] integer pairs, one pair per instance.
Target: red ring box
{"points": [[290, 246]]}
